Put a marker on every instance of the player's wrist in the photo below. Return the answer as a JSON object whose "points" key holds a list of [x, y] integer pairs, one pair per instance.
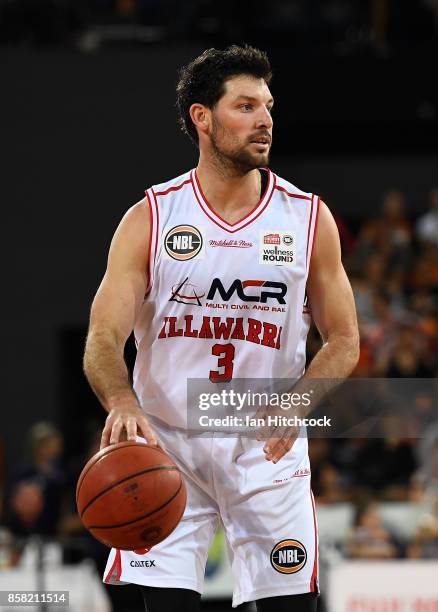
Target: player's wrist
{"points": [[122, 400]]}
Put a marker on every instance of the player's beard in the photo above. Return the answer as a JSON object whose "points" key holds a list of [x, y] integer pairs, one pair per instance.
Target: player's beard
{"points": [[231, 155]]}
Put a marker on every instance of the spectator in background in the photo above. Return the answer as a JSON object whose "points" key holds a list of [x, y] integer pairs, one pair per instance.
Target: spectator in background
{"points": [[35, 503], [396, 291], [326, 479], [366, 246], [425, 273], [410, 358], [395, 232], [330, 487], [428, 456], [26, 506], [425, 542], [427, 225], [424, 307], [366, 282], [368, 538], [384, 467], [345, 236], [380, 331], [387, 238]]}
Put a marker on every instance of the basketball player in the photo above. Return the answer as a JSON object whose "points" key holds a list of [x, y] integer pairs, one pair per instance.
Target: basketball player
{"points": [[188, 268]]}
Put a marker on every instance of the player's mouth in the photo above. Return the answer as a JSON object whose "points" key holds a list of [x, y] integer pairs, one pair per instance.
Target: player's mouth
{"points": [[262, 141]]}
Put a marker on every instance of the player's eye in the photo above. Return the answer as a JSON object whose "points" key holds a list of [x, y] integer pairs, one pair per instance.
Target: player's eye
{"points": [[246, 107]]}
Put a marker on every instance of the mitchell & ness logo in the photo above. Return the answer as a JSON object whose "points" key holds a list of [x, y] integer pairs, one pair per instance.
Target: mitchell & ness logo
{"points": [[236, 244]]}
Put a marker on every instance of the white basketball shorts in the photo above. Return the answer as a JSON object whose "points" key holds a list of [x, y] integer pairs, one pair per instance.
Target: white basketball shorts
{"points": [[267, 512]]}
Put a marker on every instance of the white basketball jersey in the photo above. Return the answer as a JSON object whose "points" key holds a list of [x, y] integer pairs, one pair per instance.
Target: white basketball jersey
{"points": [[224, 301]]}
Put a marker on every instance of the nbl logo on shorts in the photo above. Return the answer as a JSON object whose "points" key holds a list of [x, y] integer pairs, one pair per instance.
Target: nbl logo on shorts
{"points": [[183, 242], [288, 556]]}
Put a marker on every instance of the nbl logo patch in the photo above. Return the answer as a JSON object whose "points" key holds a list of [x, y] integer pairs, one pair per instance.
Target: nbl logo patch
{"points": [[288, 557], [183, 242]]}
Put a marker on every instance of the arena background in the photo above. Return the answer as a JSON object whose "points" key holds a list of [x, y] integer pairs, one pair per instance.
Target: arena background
{"points": [[88, 122]]}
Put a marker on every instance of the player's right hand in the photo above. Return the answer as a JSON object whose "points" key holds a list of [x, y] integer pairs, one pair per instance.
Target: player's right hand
{"points": [[129, 418]]}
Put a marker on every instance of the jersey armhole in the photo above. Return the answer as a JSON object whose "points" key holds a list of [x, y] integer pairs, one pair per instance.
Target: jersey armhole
{"points": [[311, 233], [153, 236]]}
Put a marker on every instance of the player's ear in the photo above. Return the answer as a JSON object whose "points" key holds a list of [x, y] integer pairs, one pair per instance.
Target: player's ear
{"points": [[200, 115]]}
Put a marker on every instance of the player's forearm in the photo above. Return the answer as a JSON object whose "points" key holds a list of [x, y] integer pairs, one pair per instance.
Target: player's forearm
{"points": [[337, 358], [332, 364], [106, 371]]}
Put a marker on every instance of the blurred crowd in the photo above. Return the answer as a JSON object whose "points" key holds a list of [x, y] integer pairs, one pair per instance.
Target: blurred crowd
{"points": [[392, 262], [39, 500], [345, 25]]}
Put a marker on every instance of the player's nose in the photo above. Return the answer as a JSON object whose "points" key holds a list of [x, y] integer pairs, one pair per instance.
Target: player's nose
{"points": [[264, 119]]}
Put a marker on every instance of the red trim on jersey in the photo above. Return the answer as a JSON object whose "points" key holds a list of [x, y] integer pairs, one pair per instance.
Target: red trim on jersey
{"points": [[157, 224], [293, 195], [217, 215], [265, 206], [209, 216], [117, 563], [218, 220], [314, 231], [308, 227], [150, 244], [175, 188], [314, 577]]}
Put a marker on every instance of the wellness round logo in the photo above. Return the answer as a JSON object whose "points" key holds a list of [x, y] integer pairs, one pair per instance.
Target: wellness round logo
{"points": [[183, 242], [288, 556]]}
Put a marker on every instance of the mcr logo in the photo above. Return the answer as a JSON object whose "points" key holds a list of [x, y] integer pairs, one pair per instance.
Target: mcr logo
{"points": [[269, 290]]}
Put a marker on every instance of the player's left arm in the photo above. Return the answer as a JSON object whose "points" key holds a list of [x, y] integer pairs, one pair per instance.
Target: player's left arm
{"points": [[333, 310], [332, 304]]}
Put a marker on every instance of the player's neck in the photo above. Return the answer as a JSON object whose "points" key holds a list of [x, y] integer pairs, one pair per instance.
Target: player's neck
{"points": [[231, 195]]}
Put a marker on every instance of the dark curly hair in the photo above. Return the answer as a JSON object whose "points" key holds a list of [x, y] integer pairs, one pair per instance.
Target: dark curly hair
{"points": [[202, 81]]}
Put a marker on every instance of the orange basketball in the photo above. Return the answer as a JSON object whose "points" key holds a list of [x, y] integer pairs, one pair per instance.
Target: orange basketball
{"points": [[131, 495]]}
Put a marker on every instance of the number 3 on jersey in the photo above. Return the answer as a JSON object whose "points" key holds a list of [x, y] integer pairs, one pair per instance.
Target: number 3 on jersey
{"points": [[225, 352]]}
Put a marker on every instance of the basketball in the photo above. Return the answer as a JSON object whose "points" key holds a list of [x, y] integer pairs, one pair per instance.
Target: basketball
{"points": [[130, 495]]}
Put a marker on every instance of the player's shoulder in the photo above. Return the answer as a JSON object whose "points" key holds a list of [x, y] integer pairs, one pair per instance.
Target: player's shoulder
{"points": [[291, 191], [172, 185]]}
